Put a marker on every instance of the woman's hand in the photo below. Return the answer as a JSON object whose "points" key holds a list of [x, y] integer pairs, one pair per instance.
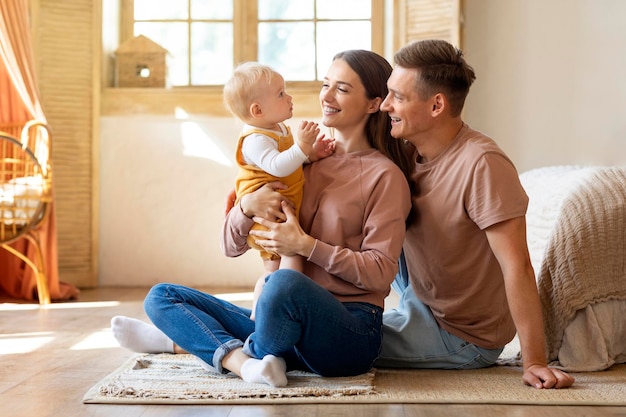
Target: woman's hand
{"points": [[265, 202], [286, 238], [231, 197]]}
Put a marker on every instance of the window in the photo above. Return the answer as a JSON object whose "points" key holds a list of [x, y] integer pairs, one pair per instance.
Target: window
{"points": [[207, 38], [197, 33], [267, 30]]}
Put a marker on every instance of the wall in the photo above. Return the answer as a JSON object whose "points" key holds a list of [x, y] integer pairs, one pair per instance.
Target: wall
{"points": [[163, 184], [549, 90], [550, 79]]}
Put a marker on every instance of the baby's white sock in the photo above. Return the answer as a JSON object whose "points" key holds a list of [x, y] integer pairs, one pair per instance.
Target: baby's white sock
{"points": [[137, 336], [270, 370]]}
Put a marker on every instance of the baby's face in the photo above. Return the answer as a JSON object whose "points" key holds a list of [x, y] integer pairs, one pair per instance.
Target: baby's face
{"points": [[276, 104]]}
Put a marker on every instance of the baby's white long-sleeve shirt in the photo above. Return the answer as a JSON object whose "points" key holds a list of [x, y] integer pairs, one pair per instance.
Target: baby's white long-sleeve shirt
{"points": [[262, 151]]}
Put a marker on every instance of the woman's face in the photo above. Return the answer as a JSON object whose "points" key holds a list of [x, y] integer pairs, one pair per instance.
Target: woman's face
{"points": [[343, 98]]}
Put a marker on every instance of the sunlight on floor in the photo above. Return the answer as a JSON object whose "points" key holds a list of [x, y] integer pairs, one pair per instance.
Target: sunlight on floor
{"points": [[23, 342], [102, 339], [58, 306]]}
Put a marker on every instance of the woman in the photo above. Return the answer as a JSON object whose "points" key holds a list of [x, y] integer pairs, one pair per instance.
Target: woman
{"points": [[327, 320]]}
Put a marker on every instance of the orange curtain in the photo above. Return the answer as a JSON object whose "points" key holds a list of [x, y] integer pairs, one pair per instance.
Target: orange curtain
{"points": [[20, 102]]}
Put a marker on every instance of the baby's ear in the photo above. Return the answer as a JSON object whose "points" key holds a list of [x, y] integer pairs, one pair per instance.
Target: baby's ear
{"points": [[255, 110]]}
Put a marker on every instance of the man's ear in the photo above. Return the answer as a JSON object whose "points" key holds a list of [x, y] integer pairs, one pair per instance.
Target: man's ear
{"points": [[439, 104], [374, 105]]}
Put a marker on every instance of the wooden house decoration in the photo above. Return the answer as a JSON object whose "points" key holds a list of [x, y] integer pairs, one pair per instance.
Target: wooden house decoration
{"points": [[141, 62]]}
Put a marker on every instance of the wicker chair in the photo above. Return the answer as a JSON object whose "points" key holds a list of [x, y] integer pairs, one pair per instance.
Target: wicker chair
{"points": [[25, 193]]}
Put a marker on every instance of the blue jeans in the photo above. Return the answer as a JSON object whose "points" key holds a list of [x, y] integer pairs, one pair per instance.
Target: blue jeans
{"points": [[412, 338], [296, 319]]}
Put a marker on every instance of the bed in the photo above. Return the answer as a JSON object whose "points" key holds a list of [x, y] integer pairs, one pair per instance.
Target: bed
{"points": [[576, 225]]}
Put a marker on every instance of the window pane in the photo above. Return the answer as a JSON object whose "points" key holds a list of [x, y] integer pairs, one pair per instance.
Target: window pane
{"points": [[344, 9], [289, 48], [285, 9], [212, 9], [160, 9], [173, 37], [354, 35], [211, 53]]}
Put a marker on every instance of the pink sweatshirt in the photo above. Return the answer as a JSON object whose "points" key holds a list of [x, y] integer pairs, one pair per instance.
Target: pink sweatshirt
{"points": [[355, 205]]}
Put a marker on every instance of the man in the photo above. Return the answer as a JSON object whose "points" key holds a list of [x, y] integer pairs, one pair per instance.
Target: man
{"points": [[466, 280]]}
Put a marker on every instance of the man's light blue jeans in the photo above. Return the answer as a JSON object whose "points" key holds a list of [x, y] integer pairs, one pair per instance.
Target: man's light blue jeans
{"points": [[296, 319], [412, 338]]}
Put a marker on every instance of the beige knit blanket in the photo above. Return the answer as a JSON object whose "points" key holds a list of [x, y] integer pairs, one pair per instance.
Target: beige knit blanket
{"points": [[577, 240]]}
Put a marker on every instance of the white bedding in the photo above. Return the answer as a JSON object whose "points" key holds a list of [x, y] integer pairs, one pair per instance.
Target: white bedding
{"points": [[576, 224]]}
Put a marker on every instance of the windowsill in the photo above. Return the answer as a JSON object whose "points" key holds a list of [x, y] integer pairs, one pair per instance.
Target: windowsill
{"points": [[194, 100]]}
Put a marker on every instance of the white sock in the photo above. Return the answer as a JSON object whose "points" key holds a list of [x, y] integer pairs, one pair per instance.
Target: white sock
{"points": [[270, 370], [137, 336]]}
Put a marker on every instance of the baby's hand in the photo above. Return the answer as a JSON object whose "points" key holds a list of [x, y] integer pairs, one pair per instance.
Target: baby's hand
{"points": [[322, 148], [307, 134], [308, 131]]}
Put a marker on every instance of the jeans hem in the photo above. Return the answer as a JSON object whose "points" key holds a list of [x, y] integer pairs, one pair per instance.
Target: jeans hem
{"points": [[222, 351]]}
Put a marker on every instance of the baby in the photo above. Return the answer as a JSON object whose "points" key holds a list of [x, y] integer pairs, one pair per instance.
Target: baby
{"points": [[266, 150]]}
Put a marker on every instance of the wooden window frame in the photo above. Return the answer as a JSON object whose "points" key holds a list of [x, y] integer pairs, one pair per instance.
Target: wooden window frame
{"points": [[208, 99]]}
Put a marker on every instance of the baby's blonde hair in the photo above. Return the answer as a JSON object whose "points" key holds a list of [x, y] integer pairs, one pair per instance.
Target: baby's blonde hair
{"points": [[242, 88]]}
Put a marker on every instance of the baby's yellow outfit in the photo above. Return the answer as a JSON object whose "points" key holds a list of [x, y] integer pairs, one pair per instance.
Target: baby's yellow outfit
{"points": [[251, 178]]}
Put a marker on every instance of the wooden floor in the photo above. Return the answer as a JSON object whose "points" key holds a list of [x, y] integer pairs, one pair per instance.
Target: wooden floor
{"points": [[50, 357]]}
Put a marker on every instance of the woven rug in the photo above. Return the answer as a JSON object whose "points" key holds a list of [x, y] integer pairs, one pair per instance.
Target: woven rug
{"points": [[179, 379]]}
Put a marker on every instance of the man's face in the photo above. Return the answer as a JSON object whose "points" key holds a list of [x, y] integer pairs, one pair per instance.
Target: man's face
{"points": [[410, 115]]}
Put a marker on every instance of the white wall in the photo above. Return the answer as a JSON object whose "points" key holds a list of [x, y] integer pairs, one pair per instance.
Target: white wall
{"points": [[163, 184], [551, 85], [550, 90]]}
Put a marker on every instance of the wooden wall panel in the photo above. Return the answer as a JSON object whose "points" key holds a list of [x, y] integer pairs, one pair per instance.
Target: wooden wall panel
{"points": [[427, 19], [65, 55]]}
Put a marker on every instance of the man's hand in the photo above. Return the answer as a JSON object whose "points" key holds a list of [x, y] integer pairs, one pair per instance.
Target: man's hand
{"points": [[507, 240], [540, 377]]}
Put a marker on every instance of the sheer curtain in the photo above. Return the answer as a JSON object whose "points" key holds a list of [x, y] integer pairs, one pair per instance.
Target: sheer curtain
{"points": [[19, 102]]}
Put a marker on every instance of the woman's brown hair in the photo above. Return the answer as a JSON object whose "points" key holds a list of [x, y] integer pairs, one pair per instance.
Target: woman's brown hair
{"points": [[374, 70]]}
